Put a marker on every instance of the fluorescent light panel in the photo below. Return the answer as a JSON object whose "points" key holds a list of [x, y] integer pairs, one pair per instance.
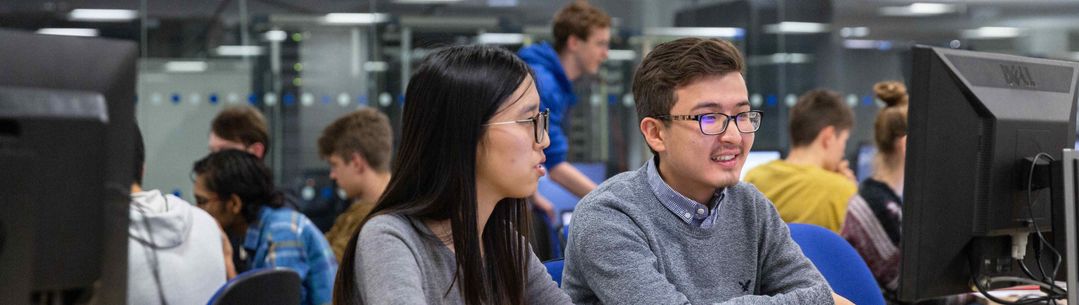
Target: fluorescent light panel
{"points": [[918, 9], [355, 18], [275, 35], [859, 31], [867, 44], [239, 51], [718, 32], [792, 27], [69, 32], [501, 38], [992, 33], [106, 15], [186, 66]]}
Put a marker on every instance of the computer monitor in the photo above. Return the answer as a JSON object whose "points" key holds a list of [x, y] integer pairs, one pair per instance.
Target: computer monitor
{"points": [[66, 129], [864, 168], [973, 119], [757, 158]]}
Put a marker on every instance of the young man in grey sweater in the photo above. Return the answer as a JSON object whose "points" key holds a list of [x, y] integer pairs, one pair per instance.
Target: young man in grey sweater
{"points": [[682, 229]]}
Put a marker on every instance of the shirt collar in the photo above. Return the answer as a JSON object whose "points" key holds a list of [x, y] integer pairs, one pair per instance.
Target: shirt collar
{"points": [[254, 230], [689, 211]]}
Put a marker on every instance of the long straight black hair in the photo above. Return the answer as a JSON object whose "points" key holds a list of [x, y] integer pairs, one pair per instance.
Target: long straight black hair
{"points": [[449, 98]]}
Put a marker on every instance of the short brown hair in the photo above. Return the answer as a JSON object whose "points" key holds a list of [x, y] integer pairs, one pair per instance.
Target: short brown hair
{"points": [[891, 123], [243, 124], [676, 64], [366, 132], [577, 19], [816, 110]]}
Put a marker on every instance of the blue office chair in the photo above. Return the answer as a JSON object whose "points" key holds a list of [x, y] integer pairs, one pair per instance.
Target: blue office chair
{"points": [[554, 268], [840, 264], [278, 286]]}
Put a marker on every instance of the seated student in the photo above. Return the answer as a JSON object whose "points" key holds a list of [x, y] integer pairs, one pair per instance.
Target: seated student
{"points": [[873, 225], [682, 229], [237, 190], [357, 146], [174, 250], [814, 183], [452, 225]]}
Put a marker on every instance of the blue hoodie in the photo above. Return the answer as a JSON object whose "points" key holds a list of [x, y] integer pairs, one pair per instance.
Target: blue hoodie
{"points": [[556, 94]]}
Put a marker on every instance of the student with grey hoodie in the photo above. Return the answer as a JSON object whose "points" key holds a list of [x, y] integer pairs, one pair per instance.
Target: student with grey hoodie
{"points": [[175, 253]]}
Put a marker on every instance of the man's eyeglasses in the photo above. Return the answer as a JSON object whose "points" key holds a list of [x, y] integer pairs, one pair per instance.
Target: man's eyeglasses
{"points": [[540, 123], [716, 123]]}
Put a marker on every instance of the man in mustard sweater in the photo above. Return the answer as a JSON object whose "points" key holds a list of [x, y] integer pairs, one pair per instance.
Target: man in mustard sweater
{"points": [[814, 183]]}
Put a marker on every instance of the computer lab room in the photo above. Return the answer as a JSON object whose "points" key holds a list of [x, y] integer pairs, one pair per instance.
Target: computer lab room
{"points": [[333, 152]]}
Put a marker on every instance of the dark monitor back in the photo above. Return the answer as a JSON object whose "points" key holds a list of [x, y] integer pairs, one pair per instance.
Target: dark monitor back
{"points": [[973, 117], [66, 128]]}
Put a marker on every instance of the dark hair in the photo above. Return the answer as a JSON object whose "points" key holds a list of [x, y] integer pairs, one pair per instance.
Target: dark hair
{"points": [[891, 123], [449, 98], [243, 124], [577, 19], [678, 63], [366, 132], [815, 110], [236, 172], [140, 155]]}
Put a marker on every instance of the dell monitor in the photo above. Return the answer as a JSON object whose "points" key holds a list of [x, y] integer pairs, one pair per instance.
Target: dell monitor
{"points": [[975, 121], [66, 130]]}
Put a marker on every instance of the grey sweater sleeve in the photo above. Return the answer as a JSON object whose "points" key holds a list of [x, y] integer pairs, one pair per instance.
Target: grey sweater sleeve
{"points": [[387, 270], [786, 275], [616, 262], [542, 290]]}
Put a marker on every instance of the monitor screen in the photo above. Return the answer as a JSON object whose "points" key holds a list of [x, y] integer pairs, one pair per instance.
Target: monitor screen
{"points": [[973, 119], [864, 169], [758, 158]]}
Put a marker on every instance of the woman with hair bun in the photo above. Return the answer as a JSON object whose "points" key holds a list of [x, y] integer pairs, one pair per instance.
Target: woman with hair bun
{"points": [[873, 225]]}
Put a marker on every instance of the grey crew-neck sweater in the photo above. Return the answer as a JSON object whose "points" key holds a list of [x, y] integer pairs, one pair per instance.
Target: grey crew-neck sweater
{"points": [[399, 261], [625, 247]]}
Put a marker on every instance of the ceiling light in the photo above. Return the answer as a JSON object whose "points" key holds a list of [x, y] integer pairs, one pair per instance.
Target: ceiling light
{"points": [[69, 32], [860, 31], [989, 32], [790, 27], [500, 38], [718, 32], [918, 9], [355, 18], [867, 44], [85, 14], [275, 35], [186, 66], [238, 50]]}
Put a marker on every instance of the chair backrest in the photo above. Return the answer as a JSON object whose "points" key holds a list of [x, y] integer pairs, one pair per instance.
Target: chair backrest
{"points": [[277, 286], [554, 268], [840, 264]]}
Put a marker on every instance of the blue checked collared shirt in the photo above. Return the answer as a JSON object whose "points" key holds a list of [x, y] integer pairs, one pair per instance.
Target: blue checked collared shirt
{"points": [[686, 209], [282, 237]]}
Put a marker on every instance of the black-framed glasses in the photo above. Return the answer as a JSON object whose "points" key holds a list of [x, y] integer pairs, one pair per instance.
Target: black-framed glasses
{"points": [[540, 124], [716, 123]]}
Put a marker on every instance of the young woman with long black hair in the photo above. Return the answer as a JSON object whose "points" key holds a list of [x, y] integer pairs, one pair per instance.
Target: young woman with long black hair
{"points": [[452, 226]]}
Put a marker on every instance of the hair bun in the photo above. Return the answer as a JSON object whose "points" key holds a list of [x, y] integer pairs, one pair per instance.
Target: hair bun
{"points": [[893, 93]]}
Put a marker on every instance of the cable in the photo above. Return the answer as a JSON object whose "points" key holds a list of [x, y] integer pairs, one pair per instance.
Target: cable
{"points": [[1049, 278], [990, 280]]}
